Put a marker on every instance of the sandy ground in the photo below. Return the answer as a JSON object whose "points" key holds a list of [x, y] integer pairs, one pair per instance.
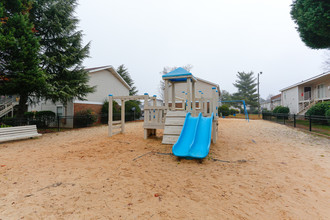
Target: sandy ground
{"points": [[263, 171]]}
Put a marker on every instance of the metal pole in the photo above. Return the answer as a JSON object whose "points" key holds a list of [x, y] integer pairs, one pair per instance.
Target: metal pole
{"points": [[310, 123], [258, 96], [294, 120]]}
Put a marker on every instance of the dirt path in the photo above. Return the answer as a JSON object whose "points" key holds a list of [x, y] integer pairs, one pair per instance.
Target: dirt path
{"points": [[264, 171]]}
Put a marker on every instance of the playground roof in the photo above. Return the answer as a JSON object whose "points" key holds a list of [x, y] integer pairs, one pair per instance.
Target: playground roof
{"points": [[179, 74]]}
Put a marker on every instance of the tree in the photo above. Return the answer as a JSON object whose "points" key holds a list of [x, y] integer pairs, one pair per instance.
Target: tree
{"points": [[313, 20], [19, 61], [246, 87], [225, 96], [166, 70], [61, 51], [123, 72]]}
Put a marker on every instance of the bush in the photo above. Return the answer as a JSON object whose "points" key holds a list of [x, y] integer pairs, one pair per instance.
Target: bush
{"points": [[84, 118], [29, 115], [105, 110], [233, 111], [319, 109], [130, 114], [281, 110], [116, 109], [44, 118], [5, 126], [223, 110], [327, 115]]}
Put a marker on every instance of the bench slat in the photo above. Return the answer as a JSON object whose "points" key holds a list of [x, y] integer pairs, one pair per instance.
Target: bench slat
{"points": [[19, 128], [19, 132], [19, 137]]}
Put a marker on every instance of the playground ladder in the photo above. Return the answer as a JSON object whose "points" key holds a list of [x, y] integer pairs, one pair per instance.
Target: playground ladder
{"points": [[173, 125]]}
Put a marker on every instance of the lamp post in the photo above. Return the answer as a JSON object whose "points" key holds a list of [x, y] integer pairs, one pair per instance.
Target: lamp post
{"points": [[259, 96]]}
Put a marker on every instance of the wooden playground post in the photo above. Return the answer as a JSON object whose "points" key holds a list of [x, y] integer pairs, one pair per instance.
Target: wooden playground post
{"points": [[110, 116], [122, 116], [188, 95], [166, 92], [193, 98], [173, 96]]}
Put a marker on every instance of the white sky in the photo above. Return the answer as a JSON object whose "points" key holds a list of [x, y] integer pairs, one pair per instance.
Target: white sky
{"points": [[217, 37]]}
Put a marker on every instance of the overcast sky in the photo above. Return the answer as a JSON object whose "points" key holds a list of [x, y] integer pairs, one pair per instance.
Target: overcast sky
{"points": [[218, 37]]}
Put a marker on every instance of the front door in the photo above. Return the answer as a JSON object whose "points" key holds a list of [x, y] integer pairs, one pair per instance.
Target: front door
{"points": [[307, 93]]}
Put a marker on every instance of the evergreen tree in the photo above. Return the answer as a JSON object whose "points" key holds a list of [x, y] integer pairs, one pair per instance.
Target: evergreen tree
{"points": [[123, 72], [61, 51], [313, 20], [246, 87], [19, 64]]}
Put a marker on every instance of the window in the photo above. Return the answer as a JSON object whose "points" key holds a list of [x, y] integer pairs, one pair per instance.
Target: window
{"points": [[59, 110]]}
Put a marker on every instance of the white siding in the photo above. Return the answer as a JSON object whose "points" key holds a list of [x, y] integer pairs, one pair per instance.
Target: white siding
{"points": [[106, 83], [290, 99]]}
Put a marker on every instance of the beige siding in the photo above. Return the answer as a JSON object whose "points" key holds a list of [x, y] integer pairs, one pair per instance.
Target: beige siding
{"points": [[200, 86], [290, 99], [106, 83]]}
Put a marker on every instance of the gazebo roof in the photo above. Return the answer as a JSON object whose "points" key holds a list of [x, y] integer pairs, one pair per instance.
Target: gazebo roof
{"points": [[179, 74]]}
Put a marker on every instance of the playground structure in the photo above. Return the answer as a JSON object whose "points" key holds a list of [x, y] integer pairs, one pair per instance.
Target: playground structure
{"points": [[170, 117]]}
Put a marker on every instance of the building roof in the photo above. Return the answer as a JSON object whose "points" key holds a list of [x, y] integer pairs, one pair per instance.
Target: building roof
{"points": [[307, 80], [110, 69], [276, 97]]}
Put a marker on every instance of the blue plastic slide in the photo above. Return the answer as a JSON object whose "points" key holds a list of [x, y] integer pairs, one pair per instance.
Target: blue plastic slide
{"points": [[195, 138]]}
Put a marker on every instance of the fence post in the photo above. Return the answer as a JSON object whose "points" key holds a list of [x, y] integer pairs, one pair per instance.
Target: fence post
{"points": [[284, 119], [58, 123], [294, 120], [310, 123]]}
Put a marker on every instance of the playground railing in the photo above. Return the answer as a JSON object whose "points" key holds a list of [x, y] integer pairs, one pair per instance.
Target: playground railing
{"points": [[154, 116]]}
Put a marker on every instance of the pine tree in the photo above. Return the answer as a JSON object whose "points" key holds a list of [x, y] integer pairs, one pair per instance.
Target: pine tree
{"points": [[313, 20], [246, 87], [19, 63], [123, 72], [61, 51]]}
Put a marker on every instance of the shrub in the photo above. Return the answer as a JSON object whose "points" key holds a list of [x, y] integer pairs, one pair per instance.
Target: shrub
{"points": [[29, 115], [4, 126], [44, 118], [105, 110], [327, 114], [223, 110], [84, 118], [130, 114], [281, 110], [319, 109], [233, 111]]}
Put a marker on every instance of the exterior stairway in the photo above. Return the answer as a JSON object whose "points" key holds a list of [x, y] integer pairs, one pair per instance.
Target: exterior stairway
{"points": [[173, 125], [304, 110], [7, 107]]}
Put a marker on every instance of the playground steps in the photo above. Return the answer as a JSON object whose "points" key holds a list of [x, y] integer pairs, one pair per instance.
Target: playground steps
{"points": [[173, 125]]}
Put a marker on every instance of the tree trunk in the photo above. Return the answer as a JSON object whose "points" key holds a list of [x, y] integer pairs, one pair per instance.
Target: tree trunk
{"points": [[22, 107]]}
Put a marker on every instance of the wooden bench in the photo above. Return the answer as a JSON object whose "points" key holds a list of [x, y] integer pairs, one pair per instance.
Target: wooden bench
{"points": [[19, 132]]}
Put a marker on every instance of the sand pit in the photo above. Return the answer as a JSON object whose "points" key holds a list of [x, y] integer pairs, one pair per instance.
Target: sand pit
{"points": [[263, 171]]}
